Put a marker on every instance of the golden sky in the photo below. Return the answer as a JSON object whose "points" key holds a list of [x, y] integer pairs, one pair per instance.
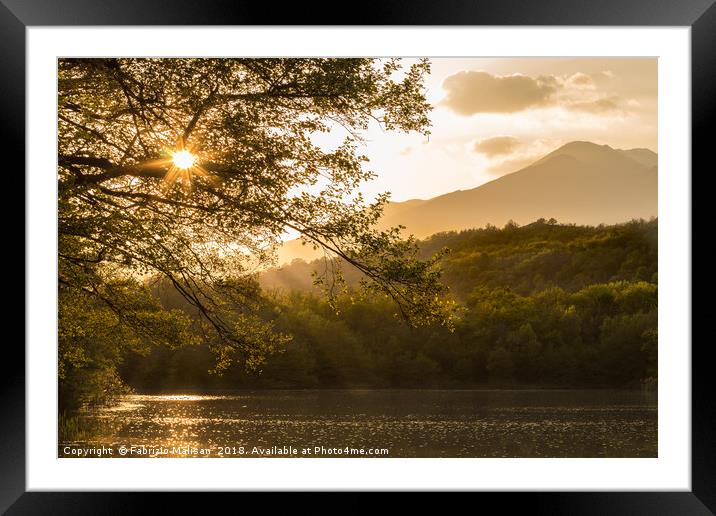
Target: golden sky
{"points": [[495, 116]]}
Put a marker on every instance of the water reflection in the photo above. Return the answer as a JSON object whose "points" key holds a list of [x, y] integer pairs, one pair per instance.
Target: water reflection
{"points": [[433, 423]]}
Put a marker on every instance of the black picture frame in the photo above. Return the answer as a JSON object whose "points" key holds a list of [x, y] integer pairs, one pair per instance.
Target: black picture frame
{"points": [[699, 15]]}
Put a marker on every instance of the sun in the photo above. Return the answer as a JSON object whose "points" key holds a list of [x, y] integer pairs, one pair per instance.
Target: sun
{"points": [[183, 159], [184, 167]]}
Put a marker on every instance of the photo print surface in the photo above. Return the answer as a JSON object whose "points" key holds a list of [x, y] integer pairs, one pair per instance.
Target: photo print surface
{"points": [[357, 257]]}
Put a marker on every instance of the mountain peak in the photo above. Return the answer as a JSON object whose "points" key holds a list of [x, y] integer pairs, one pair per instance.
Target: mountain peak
{"points": [[583, 145], [589, 152], [581, 182], [581, 150]]}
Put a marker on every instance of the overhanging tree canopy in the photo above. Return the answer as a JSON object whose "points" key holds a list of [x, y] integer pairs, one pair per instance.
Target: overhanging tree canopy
{"points": [[126, 209]]}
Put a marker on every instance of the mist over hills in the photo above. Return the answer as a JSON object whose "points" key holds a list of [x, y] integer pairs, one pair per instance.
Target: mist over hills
{"points": [[580, 182]]}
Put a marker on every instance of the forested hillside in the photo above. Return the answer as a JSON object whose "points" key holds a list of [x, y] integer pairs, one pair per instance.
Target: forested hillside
{"points": [[525, 259], [544, 304]]}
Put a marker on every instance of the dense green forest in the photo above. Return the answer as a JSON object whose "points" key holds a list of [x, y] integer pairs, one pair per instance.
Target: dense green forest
{"points": [[545, 304]]}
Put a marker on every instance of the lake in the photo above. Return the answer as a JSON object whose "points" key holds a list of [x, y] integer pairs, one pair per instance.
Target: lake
{"points": [[366, 423]]}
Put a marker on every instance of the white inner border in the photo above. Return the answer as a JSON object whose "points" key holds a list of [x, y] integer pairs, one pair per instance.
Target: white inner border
{"points": [[670, 471]]}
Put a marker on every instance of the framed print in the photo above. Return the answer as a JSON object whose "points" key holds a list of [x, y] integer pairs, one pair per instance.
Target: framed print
{"points": [[437, 249]]}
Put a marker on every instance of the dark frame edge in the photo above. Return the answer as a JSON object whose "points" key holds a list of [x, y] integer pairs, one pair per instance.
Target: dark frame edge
{"points": [[702, 498], [12, 381], [703, 403]]}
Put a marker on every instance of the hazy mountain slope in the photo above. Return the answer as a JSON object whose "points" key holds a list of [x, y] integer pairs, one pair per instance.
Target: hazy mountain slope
{"points": [[643, 156], [295, 249], [394, 209], [581, 182]]}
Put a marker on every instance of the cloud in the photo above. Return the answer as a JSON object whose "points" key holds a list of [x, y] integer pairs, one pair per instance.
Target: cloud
{"points": [[602, 105], [580, 80], [471, 92], [496, 146], [406, 151]]}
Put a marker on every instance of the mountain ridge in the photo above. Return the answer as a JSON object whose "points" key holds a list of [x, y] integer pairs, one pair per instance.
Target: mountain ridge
{"points": [[579, 182]]}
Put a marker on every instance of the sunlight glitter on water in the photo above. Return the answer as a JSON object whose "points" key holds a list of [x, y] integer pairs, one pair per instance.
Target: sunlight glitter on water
{"points": [[175, 397], [408, 423]]}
